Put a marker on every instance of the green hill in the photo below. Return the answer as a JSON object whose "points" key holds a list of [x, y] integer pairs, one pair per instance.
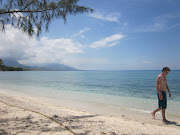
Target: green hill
{"points": [[5, 68]]}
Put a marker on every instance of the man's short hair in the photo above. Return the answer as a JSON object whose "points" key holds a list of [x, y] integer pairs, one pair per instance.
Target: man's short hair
{"points": [[165, 69]]}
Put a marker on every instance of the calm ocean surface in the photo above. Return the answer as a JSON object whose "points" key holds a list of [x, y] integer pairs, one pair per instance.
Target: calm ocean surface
{"points": [[111, 91]]}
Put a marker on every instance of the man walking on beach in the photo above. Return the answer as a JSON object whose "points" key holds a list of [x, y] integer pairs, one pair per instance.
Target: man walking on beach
{"points": [[161, 86]]}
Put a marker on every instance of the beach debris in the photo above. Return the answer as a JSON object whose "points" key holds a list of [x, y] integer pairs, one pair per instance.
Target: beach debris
{"points": [[55, 116], [102, 133], [3, 111], [71, 120], [113, 133], [27, 126], [16, 118], [3, 132]]}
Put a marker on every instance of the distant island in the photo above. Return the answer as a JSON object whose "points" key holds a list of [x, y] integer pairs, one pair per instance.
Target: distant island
{"points": [[9, 64], [6, 68]]}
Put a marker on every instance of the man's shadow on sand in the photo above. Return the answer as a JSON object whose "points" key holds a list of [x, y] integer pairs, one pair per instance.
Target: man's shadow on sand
{"points": [[171, 123]]}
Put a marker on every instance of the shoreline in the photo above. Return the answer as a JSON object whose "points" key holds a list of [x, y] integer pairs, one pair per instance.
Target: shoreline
{"points": [[43, 117], [100, 104]]}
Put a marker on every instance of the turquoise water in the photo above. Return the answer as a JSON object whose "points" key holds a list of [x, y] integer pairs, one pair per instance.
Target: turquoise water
{"points": [[108, 90]]}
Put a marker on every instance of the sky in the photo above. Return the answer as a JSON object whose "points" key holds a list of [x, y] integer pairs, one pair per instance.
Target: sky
{"points": [[118, 35]]}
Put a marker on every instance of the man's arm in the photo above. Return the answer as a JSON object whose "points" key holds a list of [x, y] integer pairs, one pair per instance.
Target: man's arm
{"points": [[168, 90], [157, 87]]}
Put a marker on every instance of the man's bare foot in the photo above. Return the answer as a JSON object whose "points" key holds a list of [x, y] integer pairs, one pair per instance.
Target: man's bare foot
{"points": [[153, 115], [165, 121]]}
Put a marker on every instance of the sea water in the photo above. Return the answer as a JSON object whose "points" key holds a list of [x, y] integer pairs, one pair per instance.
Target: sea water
{"points": [[110, 92]]}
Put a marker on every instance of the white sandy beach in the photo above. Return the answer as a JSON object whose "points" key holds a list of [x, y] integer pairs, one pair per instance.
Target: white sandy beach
{"points": [[24, 115]]}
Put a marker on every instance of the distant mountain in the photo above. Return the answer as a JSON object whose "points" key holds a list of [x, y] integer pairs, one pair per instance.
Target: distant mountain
{"points": [[56, 67], [44, 67], [12, 63]]}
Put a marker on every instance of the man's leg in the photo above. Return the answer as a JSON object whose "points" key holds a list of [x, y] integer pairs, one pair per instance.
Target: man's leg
{"points": [[154, 112], [164, 105], [163, 115]]}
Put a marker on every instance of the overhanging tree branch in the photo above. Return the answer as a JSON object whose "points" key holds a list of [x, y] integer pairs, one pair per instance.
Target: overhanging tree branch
{"points": [[29, 15], [28, 5]]}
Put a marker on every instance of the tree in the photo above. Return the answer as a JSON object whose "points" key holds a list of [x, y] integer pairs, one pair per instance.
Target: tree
{"points": [[1, 62], [31, 15]]}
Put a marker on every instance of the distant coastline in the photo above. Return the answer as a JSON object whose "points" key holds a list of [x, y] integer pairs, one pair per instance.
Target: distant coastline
{"points": [[10, 64], [6, 68]]}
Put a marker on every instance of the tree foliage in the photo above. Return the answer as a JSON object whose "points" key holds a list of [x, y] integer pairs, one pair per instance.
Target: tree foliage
{"points": [[6, 68], [1, 62], [31, 15]]}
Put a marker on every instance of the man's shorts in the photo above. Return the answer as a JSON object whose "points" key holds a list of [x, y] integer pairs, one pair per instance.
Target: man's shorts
{"points": [[162, 103]]}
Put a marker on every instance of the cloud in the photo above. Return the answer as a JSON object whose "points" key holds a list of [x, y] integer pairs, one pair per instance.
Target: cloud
{"points": [[147, 62], [87, 63], [62, 44], [113, 17], [16, 44], [17, 15], [82, 36], [80, 33], [54, 50], [84, 30], [161, 23], [107, 42]]}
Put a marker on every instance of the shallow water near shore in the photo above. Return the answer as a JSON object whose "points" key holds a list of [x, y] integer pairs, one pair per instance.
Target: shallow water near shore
{"points": [[104, 92]]}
